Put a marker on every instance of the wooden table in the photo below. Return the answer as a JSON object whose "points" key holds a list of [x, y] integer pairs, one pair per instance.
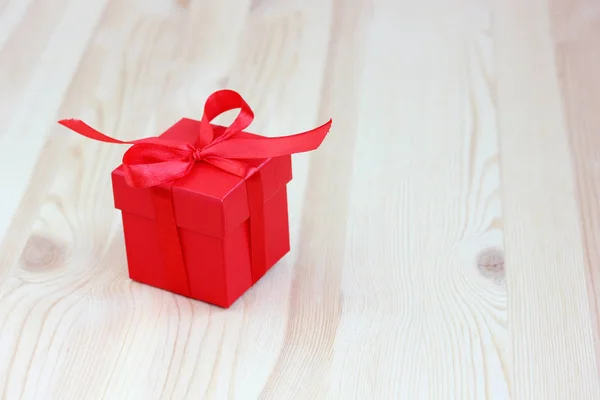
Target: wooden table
{"points": [[446, 236]]}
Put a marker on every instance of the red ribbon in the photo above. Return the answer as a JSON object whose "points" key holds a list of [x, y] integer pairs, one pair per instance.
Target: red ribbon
{"points": [[154, 161]]}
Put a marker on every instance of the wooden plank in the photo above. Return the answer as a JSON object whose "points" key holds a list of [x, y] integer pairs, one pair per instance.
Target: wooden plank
{"points": [[280, 67], [576, 29], [549, 315]]}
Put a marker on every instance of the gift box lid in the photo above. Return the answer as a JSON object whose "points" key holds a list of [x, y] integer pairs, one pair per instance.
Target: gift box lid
{"points": [[207, 200]]}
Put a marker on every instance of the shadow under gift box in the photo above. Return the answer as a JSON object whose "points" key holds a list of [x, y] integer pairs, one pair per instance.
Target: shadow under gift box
{"points": [[212, 216]]}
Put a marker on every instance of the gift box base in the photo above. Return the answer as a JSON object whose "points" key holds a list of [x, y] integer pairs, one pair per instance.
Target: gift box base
{"points": [[219, 270], [220, 305]]}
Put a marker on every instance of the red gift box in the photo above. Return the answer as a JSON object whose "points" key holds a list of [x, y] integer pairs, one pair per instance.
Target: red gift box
{"points": [[204, 207]]}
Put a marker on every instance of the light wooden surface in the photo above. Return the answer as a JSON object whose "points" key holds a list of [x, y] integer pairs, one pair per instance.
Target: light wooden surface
{"points": [[446, 236]]}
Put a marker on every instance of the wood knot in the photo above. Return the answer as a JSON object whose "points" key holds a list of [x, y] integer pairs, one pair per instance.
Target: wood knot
{"points": [[490, 262], [41, 253]]}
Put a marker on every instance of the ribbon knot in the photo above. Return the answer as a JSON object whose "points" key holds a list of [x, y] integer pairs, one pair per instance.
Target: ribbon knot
{"points": [[197, 155]]}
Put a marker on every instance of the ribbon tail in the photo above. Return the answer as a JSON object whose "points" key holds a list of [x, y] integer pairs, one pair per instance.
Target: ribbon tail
{"points": [[249, 147], [78, 126], [85, 130]]}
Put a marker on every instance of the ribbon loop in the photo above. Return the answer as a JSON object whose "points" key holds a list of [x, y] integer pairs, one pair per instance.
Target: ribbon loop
{"points": [[217, 104], [227, 100]]}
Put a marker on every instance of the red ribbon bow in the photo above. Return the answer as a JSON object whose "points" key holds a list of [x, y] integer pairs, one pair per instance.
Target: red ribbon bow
{"points": [[154, 161]]}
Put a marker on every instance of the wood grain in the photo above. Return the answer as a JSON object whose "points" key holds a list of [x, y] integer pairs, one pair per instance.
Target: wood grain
{"points": [[444, 238]]}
